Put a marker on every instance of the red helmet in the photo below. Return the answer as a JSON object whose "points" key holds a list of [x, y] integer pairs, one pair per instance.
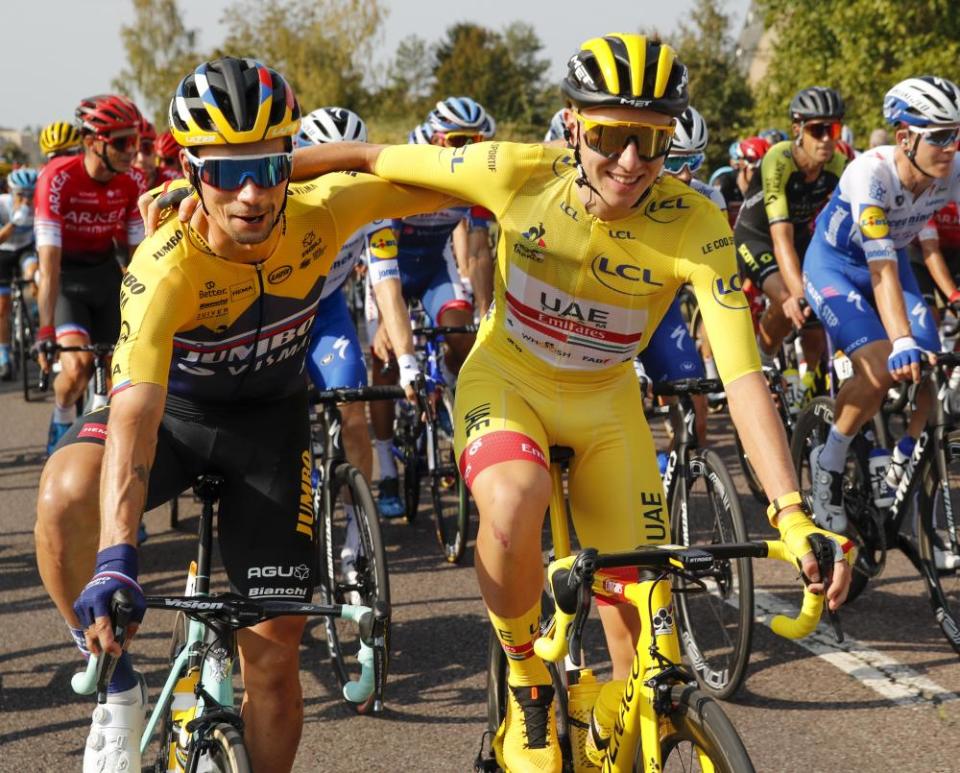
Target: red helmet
{"points": [[107, 113], [753, 149], [167, 146], [147, 130], [846, 149]]}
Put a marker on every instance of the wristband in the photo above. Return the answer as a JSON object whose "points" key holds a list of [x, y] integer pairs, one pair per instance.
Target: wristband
{"points": [[409, 369], [954, 297], [782, 502], [46, 333], [903, 344]]}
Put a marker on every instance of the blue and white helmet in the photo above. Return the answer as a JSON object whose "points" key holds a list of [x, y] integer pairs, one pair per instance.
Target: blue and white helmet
{"points": [[420, 135], [331, 124], [22, 180], [557, 129], [690, 135], [457, 114], [489, 127], [773, 136], [923, 101]]}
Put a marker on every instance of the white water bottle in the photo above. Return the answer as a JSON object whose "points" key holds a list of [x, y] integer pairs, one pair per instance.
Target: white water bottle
{"points": [[879, 464]]}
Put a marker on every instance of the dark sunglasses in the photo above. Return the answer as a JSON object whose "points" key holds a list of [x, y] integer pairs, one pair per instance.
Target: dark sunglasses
{"points": [[122, 144], [609, 139], [168, 161], [940, 138], [146, 146], [229, 173], [822, 131]]}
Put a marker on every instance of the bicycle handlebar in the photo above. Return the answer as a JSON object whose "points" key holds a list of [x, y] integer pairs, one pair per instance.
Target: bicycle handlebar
{"points": [[571, 578], [688, 386], [360, 394], [442, 330], [240, 612]]}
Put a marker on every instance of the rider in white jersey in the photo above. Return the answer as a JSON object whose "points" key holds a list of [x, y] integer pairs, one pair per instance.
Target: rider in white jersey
{"points": [[857, 275]]}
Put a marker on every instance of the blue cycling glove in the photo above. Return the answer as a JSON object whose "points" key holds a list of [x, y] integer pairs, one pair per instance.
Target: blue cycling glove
{"points": [[116, 568], [905, 353]]}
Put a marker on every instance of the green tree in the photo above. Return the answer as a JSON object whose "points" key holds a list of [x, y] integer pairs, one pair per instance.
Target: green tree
{"points": [[500, 70], [407, 94], [323, 47], [160, 51], [13, 154], [717, 89], [859, 47]]}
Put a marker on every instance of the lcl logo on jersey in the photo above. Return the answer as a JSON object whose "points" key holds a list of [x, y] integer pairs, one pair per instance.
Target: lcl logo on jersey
{"points": [[666, 210], [624, 278], [729, 292]]}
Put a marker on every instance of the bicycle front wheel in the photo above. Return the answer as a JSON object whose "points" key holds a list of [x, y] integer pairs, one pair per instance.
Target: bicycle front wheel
{"points": [[750, 474], [451, 504], [699, 737], [224, 752], [353, 570], [716, 619], [939, 544]]}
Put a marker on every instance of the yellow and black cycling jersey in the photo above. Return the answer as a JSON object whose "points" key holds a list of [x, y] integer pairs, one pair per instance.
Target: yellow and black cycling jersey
{"points": [[214, 330], [575, 295], [781, 193]]}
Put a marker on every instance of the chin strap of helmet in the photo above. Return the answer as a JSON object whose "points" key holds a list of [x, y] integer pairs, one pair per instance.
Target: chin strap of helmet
{"points": [[912, 155], [103, 157]]}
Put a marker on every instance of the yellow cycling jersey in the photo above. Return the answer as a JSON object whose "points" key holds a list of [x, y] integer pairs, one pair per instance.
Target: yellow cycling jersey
{"points": [[214, 330], [576, 295]]}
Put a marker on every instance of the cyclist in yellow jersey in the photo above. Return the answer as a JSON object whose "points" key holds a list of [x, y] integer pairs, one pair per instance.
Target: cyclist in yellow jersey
{"points": [[593, 247], [208, 375]]}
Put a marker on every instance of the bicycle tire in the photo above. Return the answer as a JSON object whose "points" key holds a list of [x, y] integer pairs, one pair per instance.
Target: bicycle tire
{"points": [[372, 583], [226, 752], [22, 340], [716, 627], [496, 683], [749, 474], [813, 425], [167, 736], [451, 519], [943, 585], [698, 720]]}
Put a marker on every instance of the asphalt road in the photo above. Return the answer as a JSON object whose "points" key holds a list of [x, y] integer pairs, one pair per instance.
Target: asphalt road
{"points": [[886, 700]]}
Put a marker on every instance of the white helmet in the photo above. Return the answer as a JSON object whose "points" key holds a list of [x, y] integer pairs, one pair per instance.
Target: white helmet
{"points": [[923, 101], [420, 135], [331, 124], [457, 114], [691, 133], [557, 129], [489, 127]]}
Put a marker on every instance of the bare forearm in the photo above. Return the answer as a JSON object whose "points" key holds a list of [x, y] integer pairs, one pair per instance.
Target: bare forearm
{"points": [[393, 311], [888, 295], [761, 433], [785, 252], [48, 284], [937, 266], [316, 160], [481, 277], [127, 460], [5, 232]]}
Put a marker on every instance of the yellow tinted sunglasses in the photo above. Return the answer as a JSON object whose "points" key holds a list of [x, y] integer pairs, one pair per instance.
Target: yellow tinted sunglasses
{"points": [[609, 138]]}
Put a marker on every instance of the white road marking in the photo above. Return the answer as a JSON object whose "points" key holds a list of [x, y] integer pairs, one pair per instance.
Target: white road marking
{"points": [[872, 668]]}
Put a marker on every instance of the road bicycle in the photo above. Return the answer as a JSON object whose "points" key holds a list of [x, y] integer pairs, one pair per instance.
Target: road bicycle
{"points": [[930, 482], [23, 331], [423, 442], [352, 563], [199, 723], [664, 722]]}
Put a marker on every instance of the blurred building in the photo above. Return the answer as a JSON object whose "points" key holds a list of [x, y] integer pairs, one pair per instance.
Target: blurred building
{"points": [[25, 140], [754, 46]]}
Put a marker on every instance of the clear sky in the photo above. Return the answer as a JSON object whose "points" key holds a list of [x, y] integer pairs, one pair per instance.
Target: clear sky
{"points": [[63, 50]]}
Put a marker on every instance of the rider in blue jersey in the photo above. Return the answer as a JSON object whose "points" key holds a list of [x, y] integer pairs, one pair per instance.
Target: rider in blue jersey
{"points": [[426, 267], [857, 275]]}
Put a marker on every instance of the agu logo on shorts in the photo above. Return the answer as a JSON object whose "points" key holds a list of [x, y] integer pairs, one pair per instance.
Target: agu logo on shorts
{"points": [[873, 223], [383, 244]]}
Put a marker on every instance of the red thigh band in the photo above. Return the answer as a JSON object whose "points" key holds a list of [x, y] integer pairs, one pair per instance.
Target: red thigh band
{"points": [[496, 447]]}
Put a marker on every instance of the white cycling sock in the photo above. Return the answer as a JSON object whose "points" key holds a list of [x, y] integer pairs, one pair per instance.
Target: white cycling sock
{"points": [[833, 457], [388, 466], [63, 415], [710, 366]]}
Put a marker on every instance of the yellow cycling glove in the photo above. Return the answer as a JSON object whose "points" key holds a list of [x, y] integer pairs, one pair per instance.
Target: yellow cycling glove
{"points": [[797, 525]]}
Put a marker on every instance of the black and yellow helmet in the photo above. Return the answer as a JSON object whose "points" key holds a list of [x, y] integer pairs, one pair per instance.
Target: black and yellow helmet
{"points": [[59, 137], [231, 101], [627, 70]]}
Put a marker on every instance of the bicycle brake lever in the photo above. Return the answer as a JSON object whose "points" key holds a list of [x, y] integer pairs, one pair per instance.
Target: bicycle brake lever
{"points": [[824, 551], [579, 581]]}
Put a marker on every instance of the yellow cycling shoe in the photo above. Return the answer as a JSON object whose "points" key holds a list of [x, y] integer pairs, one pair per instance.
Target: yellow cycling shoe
{"points": [[526, 742]]}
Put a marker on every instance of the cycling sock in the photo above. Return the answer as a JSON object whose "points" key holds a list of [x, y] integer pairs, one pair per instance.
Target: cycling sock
{"points": [[710, 366], [123, 676], [517, 635], [80, 640], [833, 457], [766, 359], [4, 353], [63, 415], [384, 449]]}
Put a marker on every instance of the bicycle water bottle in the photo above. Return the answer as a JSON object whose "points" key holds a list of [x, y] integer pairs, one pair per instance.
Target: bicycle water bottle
{"points": [[880, 459], [602, 720], [183, 709], [794, 390], [582, 697]]}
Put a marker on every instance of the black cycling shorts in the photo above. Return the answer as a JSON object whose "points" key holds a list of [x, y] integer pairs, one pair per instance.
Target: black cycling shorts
{"points": [[89, 301], [757, 257], [10, 265], [928, 288], [266, 524]]}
